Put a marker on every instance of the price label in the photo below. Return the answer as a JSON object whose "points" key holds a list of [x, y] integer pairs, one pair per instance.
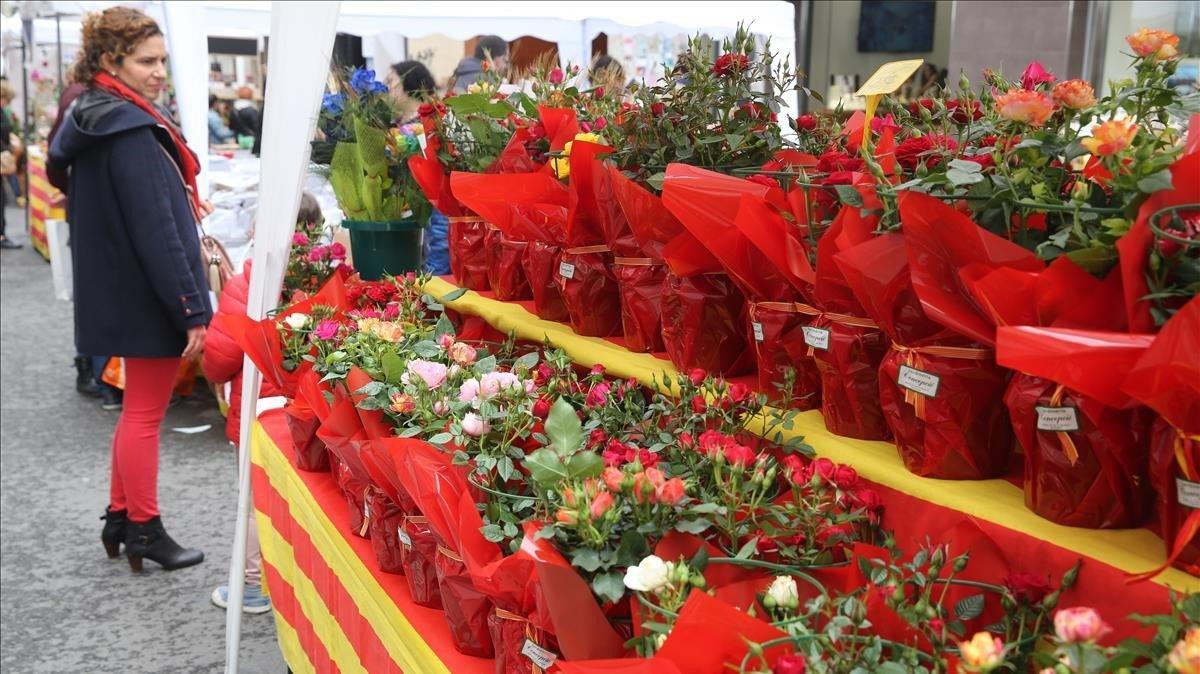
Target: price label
{"points": [[817, 338], [538, 655], [758, 332], [1187, 492], [917, 380], [403, 536], [566, 270], [1058, 419]]}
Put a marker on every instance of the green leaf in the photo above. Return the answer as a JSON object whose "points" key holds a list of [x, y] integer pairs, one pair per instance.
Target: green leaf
{"points": [[849, 196], [965, 166], [959, 177], [586, 559], [441, 439], [546, 467], [410, 432], [444, 325], [699, 560], [426, 349], [393, 367], [585, 464], [372, 389], [969, 608], [748, 549], [609, 586], [563, 428], [527, 362], [485, 365], [1155, 182], [492, 532], [656, 181], [453, 294], [695, 526]]}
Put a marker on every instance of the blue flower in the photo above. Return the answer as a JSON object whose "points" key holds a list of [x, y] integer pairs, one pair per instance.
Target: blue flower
{"points": [[363, 82], [333, 103]]}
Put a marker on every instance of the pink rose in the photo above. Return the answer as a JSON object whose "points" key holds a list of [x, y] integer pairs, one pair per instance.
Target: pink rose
{"points": [[600, 124], [600, 505], [475, 425], [598, 396], [445, 341], [493, 382], [433, 374], [326, 329], [299, 239], [462, 353], [337, 251], [441, 407], [1035, 74], [318, 253], [1079, 625], [469, 391], [556, 76]]}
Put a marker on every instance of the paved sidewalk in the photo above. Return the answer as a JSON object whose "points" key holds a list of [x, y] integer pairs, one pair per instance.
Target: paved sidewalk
{"points": [[65, 607]]}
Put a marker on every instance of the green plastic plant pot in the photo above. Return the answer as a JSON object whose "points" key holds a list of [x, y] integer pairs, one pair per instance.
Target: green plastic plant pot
{"points": [[390, 247]]}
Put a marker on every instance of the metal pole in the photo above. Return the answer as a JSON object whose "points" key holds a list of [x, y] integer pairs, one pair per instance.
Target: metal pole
{"points": [[26, 51], [58, 49]]}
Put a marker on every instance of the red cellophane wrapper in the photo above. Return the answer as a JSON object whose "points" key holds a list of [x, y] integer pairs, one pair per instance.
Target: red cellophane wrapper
{"points": [[343, 433], [710, 635], [1133, 249], [638, 264], [718, 210], [467, 240], [1167, 380], [304, 414], [506, 271], [541, 264], [437, 486], [1096, 476], [704, 324], [849, 368], [417, 552], [961, 431], [585, 277], [384, 522]]}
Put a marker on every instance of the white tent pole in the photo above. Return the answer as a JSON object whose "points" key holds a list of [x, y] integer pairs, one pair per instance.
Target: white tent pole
{"points": [[187, 39], [301, 43]]}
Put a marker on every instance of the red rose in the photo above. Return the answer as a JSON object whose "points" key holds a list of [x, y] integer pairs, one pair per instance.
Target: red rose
{"points": [[378, 294], [793, 470], [833, 533], [713, 442], [739, 455], [597, 438], [791, 663], [1028, 588], [647, 458], [541, 408], [846, 478], [657, 109], [426, 110], [915, 107], [685, 439], [697, 376], [762, 180], [537, 131], [835, 160], [965, 111], [740, 392], [699, 405], [826, 469], [936, 625], [806, 122], [870, 502], [924, 150], [727, 64]]}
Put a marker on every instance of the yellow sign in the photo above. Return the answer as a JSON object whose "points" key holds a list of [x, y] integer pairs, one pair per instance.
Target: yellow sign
{"points": [[889, 77]]}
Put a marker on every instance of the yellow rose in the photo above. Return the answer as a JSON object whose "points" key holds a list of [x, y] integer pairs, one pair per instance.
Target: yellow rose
{"points": [[1185, 656], [982, 653], [389, 331], [1110, 137], [587, 137]]}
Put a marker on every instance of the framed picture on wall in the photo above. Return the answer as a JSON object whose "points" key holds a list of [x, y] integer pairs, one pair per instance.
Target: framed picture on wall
{"points": [[896, 26]]}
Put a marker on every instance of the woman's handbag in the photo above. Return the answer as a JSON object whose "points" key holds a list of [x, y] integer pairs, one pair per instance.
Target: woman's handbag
{"points": [[218, 268]]}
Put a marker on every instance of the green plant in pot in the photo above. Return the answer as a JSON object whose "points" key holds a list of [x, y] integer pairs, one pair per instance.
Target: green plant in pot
{"points": [[384, 208]]}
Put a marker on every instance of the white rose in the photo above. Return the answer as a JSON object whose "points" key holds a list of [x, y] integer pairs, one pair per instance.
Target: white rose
{"points": [[649, 575], [783, 590], [296, 321]]}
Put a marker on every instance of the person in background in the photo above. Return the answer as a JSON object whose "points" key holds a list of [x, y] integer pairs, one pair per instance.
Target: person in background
{"points": [[16, 181], [411, 84], [140, 285], [607, 72], [218, 132], [6, 134], [89, 370], [490, 48], [245, 119], [222, 366]]}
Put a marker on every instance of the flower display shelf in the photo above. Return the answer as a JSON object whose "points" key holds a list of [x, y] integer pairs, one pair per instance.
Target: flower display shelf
{"points": [[987, 517], [335, 611]]}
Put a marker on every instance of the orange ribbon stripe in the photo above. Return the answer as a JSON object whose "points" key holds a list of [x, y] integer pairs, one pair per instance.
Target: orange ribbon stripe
{"points": [[914, 358], [1191, 526], [466, 218], [636, 261], [530, 633], [583, 250], [1064, 437]]}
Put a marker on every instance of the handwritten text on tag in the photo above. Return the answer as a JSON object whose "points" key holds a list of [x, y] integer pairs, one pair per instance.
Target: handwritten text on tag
{"points": [[566, 270], [538, 655], [817, 338], [1057, 419], [916, 380]]}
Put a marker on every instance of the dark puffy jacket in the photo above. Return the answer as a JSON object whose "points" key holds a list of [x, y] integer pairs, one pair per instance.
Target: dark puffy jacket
{"points": [[139, 276], [223, 355]]}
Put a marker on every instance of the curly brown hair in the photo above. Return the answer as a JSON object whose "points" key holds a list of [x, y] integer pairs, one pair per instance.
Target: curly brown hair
{"points": [[116, 31]]}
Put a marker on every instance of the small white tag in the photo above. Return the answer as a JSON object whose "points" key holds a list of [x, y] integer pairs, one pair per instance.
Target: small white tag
{"points": [[403, 536], [1057, 418], [366, 511], [1187, 492], [758, 332], [817, 338], [566, 270], [915, 380], [538, 655]]}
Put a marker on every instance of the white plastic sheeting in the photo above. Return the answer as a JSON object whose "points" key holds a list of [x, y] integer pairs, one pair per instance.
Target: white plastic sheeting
{"points": [[301, 42]]}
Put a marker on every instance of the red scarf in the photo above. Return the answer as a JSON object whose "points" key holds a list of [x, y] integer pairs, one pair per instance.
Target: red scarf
{"points": [[189, 165]]}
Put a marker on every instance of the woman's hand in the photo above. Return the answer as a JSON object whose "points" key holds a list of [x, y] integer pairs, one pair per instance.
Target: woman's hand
{"points": [[195, 343], [206, 207]]}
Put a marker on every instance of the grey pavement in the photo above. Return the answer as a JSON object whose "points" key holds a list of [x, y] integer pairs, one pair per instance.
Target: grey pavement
{"points": [[64, 606]]}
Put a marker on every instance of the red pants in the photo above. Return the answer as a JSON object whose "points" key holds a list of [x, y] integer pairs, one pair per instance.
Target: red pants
{"points": [[148, 385]]}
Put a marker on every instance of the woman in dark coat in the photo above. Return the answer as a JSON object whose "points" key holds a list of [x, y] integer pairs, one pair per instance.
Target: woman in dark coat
{"points": [[140, 288]]}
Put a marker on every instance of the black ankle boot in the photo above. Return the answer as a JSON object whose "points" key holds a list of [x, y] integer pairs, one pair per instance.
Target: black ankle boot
{"points": [[113, 534], [85, 378], [150, 540]]}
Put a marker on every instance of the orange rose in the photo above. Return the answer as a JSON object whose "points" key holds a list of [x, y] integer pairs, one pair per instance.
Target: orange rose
{"points": [[567, 517], [1074, 94], [671, 492], [1149, 42], [1027, 107], [1110, 137], [600, 505]]}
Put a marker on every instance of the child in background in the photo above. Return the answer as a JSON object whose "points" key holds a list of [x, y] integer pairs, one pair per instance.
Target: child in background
{"points": [[223, 367]]}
